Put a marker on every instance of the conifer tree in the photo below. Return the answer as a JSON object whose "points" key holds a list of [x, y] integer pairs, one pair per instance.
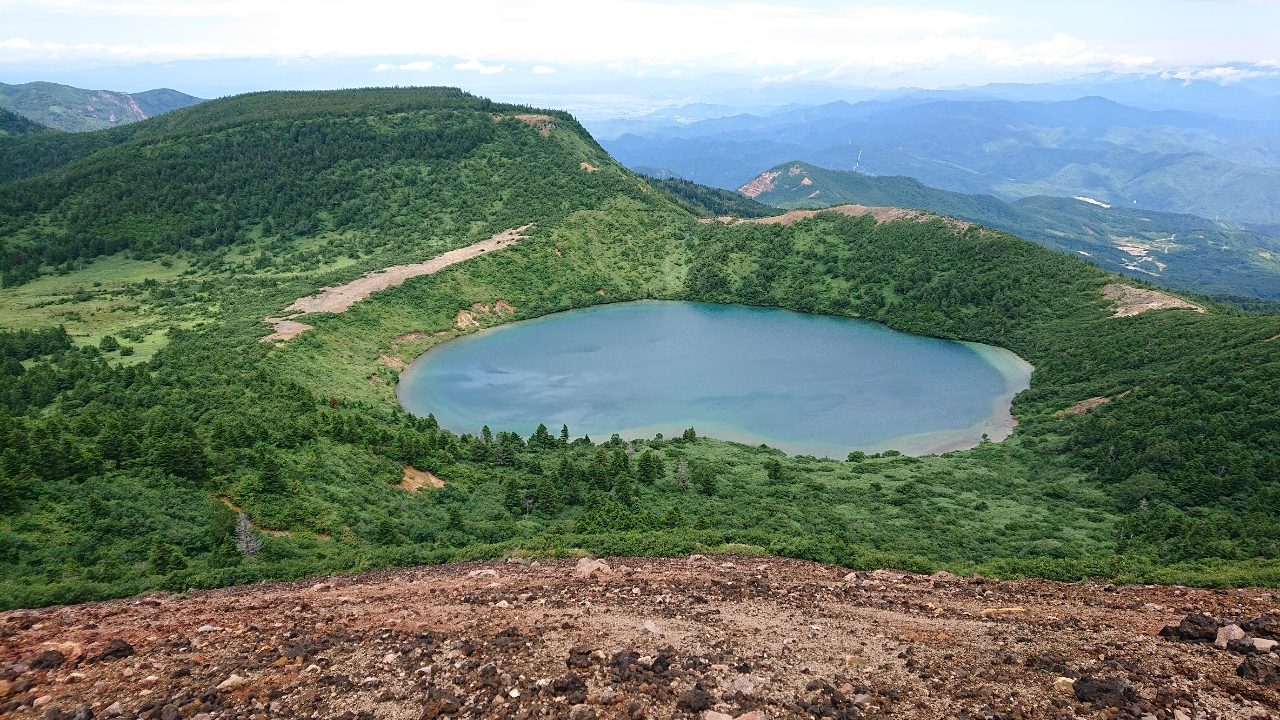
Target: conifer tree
{"points": [[622, 489], [548, 503], [598, 473]]}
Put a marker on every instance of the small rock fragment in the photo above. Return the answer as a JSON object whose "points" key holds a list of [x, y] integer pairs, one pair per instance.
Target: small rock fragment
{"points": [[1226, 634], [586, 567], [582, 712], [1064, 685], [650, 627], [713, 715], [235, 682], [115, 709], [42, 701]]}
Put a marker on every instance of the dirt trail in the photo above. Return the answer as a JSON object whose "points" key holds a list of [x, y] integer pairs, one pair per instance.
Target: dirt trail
{"points": [[662, 639], [341, 298], [1134, 301]]}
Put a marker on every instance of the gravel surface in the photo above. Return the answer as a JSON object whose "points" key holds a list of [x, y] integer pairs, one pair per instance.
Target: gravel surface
{"points": [[707, 638]]}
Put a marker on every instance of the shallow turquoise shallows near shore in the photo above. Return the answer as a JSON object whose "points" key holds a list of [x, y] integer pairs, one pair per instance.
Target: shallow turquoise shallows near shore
{"points": [[806, 384]]}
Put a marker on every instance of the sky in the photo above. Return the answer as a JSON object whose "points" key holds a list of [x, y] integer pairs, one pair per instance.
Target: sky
{"points": [[589, 46]]}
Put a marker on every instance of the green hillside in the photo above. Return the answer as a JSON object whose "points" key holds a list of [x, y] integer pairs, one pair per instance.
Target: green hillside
{"points": [[73, 109], [14, 125], [1184, 252], [710, 201], [139, 411]]}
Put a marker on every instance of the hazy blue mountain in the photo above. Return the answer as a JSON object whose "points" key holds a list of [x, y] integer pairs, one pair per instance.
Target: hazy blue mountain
{"points": [[1184, 252], [1166, 160], [73, 109]]}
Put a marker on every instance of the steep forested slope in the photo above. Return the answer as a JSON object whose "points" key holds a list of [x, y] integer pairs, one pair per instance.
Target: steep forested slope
{"points": [[14, 125], [133, 436]]}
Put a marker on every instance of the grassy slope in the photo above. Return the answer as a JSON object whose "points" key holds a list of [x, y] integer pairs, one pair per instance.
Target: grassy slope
{"points": [[1202, 257], [125, 496]]}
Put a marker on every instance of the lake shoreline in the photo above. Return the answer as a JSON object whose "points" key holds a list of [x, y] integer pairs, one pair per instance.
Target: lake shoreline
{"points": [[809, 335]]}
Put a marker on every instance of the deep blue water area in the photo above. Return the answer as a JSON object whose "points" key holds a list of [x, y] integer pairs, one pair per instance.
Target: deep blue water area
{"points": [[802, 383]]}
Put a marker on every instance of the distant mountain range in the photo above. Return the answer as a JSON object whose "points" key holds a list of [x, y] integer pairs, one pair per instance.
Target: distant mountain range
{"points": [[72, 109], [1164, 160], [1181, 251]]}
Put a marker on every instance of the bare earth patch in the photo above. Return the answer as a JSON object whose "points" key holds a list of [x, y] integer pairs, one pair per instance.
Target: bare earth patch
{"points": [[285, 329], [391, 361], [1083, 406], [464, 320], [760, 185], [632, 638], [341, 298], [544, 123], [415, 479], [588, 167], [1133, 301]]}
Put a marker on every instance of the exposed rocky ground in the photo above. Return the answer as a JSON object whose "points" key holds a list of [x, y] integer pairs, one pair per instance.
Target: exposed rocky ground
{"points": [[644, 638]]}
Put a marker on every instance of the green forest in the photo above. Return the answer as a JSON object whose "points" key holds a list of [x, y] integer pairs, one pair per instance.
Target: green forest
{"points": [[150, 440]]}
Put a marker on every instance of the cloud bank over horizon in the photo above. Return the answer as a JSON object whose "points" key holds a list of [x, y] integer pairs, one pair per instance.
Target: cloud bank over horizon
{"points": [[878, 45]]}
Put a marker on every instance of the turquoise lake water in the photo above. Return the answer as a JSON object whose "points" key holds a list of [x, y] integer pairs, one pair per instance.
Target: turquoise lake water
{"points": [[806, 384]]}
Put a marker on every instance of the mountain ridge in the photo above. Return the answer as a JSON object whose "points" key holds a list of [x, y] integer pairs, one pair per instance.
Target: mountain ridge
{"points": [[1171, 161], [72, 109], [1206, 258]]}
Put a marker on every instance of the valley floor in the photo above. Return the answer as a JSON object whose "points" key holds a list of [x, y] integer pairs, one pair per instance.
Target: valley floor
{"points": [[637, 638]]}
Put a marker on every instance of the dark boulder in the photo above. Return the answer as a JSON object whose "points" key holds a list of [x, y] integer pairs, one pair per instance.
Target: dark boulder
{"points": [[47, 660], [695, 700], [1104, 692], [1196, 627], [580, 657], [1266, 626], [116, 649], [1262, 669], [567, 684]]}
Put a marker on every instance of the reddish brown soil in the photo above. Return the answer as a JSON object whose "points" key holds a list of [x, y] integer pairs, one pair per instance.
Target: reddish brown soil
{"points": [[651, 638]]}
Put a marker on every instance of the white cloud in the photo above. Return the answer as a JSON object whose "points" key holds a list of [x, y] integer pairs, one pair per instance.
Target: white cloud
{"points": [[422, 66], [1222, 75], [544, 70], [780, 41], [480, 67]]}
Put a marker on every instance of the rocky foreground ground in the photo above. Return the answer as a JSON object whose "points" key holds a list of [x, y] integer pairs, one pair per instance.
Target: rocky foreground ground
{"points": [[665, 639]]}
